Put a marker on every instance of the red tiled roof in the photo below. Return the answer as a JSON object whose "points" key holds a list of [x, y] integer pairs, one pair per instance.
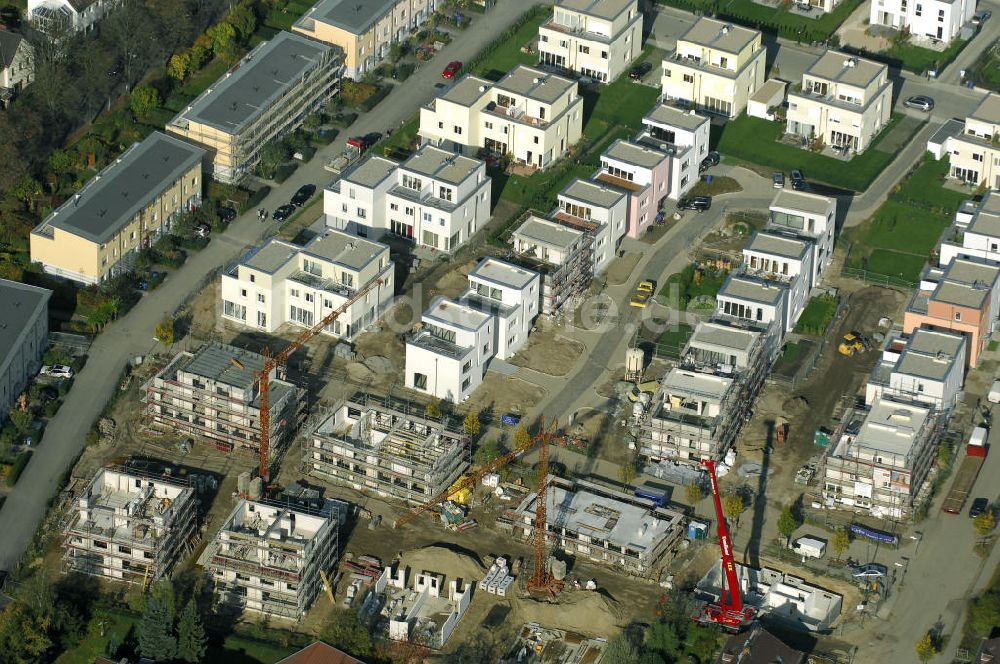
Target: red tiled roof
{"points": [[320, 653]]}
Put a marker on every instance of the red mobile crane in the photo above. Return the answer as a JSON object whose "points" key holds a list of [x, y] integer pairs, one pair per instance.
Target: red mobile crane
{"points": [[729, 612]]}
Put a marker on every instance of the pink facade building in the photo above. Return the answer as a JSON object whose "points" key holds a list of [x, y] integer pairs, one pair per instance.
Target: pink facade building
{"points": [[644, 174]]}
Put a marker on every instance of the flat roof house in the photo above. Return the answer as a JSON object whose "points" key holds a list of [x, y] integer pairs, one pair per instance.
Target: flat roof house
{"points": [[562, 254], [809, 216], [24, 336], [715, 67], [683, 136], [927, 367], [747, 297], [365, 30], [595, 38], [937, 20], [972, 156], [596, 208], [268, 94], [843, 100], [99, 231], [641, 172], [978, 237]]}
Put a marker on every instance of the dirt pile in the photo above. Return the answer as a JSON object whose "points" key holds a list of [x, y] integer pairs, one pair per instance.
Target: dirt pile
{"points": [[451, 562], [591, 613]]}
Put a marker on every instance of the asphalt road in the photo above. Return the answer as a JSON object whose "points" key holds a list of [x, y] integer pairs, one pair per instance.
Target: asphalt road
{"points": [[63, 441]]}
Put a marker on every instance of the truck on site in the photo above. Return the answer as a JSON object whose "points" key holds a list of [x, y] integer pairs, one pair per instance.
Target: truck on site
{"points": [[353, 150], [968, 471], [994, 394]]}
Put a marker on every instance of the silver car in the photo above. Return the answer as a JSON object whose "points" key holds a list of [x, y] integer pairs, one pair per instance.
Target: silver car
{"points": [[920, 102]]}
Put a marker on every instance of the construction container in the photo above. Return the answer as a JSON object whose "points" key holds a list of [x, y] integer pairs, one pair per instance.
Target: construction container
{"points": [[821, 438], [504, 586], [697, 530], [809, 547]]}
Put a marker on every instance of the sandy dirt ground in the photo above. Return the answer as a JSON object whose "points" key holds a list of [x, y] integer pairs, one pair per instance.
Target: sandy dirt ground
{"points": [[620, 268], [501, 395], [549, 352]]}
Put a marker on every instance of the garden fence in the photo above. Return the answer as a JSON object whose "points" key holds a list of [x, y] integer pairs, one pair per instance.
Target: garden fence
{"points": [[884, 280]]}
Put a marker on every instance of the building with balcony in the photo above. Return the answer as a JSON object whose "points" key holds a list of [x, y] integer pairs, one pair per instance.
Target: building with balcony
{"points": [[745, 296], [683, 136], [721, 343], [973, 148], [436, 199], [17, 66], [716, 67], [57, 18], [561, 253], [928, 367], [214, 393], [613, 528], [129, 526], [282, 282], [99, 231], [594, 38], [939, 20], [975, 234], [643, 174], [388, 447], [24, 337], [447, 356], [365, 30], [963, 298], [599, 209], [808, 216], [843, 100], [265, 96], [880, 458], [269, 557], [531, 115]]}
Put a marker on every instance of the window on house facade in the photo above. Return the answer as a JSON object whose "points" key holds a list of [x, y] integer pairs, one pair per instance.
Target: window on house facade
{"points": [[444, 193], [688, 78], [411, 182]]}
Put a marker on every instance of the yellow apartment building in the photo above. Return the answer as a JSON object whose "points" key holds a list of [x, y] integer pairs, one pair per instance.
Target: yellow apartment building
{"points": [[266, 95], [97, 233], [364, 29]]}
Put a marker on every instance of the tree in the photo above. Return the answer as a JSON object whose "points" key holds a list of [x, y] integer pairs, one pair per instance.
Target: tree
{"points": [[144, 100], [732, 507], [926, 648], [26, 188], [787, 523], [346, 632], [63, 161], [243, 21], [471, 424], [840, 542], [178, 66], [24, 635], [626, 472], [485, 452], [620, 650], [665, 638], [692, 493], [521, 437], [223, 38], [165, 331], [155, 630], [272, 155], [432, 410], [984, 523], [191, 638], [21, 419]]}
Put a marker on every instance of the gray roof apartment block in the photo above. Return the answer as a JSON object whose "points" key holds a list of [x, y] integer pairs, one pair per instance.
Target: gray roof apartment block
{"points": [[593, 193], [719, 35], [22, 305], [635, 154], [354, 16], [442, 165], [668, 115], [535, 84], [844, 68]]}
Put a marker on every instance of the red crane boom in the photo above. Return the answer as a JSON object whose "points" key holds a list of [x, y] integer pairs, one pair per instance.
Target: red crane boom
{"points": [[730, 612]]}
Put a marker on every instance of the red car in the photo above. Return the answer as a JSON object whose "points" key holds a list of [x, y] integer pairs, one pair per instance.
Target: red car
{"points": [[453, 68]]}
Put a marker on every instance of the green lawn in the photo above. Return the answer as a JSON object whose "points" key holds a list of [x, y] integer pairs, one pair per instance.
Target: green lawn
{"points": [[503, 57], [684, 289], [402, 139], [896, 264], [920, 60], [623, 102], [283, 20], [756, 141], [986, 71], [675, 337], [208, 74], [791, 353], [816, 316], [539, 191]]}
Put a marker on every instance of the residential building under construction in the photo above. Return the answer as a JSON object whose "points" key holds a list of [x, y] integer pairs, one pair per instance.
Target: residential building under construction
{"points": [[705, 399], [269, 557], [215, 393], [387, 446], [561, 250], [129, 526]]}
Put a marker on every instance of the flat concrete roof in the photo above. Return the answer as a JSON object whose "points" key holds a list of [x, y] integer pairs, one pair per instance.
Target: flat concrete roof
{"points": [[371, 172], [719, 35], [929, 367], [752, 290], [844, 68], [606, 9], [771, 88], [634, 153], [717, 335], [109, 201], [441, 165], [930, 341], [454, 313], [972, 272], [354, 16], [270, 256], [535, 84], [350, 251], [705, 386], [503, 273], [467, 91], [237, 98], [947, 130], [963, 295], [988, 110], [662, 114], [892, 426], [593, 193], [543, 231], [766, 242], [986, 218], [21, 305], [225, 364], [803, 202]]}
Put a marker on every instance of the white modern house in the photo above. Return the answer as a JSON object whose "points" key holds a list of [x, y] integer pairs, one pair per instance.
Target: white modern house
{"points": [[436, 199], [843, 100], [978, 237], [563, 255], [683, 135], [596, 208], [784, 259], [973, 153], [281, 282], [448, 353], [531, 115], [60, 17], [933, 19], [926, 367], [752, 298], [808, 216], [595, 38]]}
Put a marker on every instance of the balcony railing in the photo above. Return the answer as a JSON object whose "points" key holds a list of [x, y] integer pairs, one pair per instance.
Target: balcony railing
{"points": [[427, 341]]}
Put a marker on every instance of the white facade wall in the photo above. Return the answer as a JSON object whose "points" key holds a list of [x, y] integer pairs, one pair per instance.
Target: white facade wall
{"points": [[520, 301], [613, 220], [925, 18], [819, 223], [591, 45], [453, 364], [690, 147]]}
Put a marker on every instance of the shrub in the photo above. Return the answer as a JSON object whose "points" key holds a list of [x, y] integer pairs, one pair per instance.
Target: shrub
{"points": [[255, 198], [374, 99], [284, 172], [17, 467], [353, 93]]}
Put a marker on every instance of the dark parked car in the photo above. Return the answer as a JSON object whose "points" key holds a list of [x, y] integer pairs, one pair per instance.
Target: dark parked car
{"points": [[798, 182], [640, 70], [979, 505], [227, 214], [282, 213], [711, 159], [698, 203], [981, 17], [371, 139], [920, 102], [304, 193]]}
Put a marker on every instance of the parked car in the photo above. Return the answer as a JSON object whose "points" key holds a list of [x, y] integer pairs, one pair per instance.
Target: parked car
{"points": [[698, 203], [643, 291], [57, 371], [226, 214], [979, 505], [778, 180], [981, 17], [453, 68], [48, 393], [283, 212], [371, 139], [304, 193], [919, 102], [640, 70], [798, 181], [869, 571], [202, 230], [711, 159]]}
